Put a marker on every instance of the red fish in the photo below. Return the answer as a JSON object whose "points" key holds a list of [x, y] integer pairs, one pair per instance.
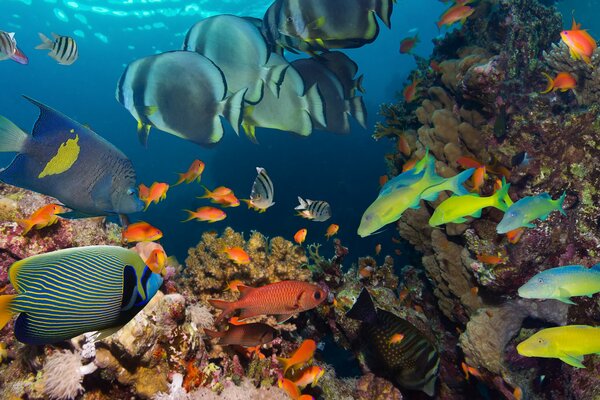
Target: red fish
{"points": [[157, 192], [283, 299], [206, 214], [435, 66], [303, 354], [396, 338], [563, 81], [157, 261], [377, 249], [41, 218], [290, 388], [193, 173], [403, 146], [410, 92], [514, 236], [383, 180], [300, 236], [221, 195], [581, 44], [233, 285], [332, 230], [454, 14], [488, 259], [478, 178], [310, 376], [237, 255], [408, 44], [247, 335], [140, 232]]}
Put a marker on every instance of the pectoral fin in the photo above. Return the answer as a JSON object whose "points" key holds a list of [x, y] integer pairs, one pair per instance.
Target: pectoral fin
{"points": [[565, 300], [575, 361], [460, 220], [283, 317]]}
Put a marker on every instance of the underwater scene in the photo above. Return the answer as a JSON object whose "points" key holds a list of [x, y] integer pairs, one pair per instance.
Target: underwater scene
{"points": [[299, 199]]}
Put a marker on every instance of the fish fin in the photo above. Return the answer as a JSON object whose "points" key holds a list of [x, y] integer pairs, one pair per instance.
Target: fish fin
{"points": [[26, 225], [5, 312], [575, 361], [358, 84], [302, 205], [274, 78], [560, 202], [363, 308], [285, 363], [12, 138], [227, 306], [499, 200], [190, 217], [214, 334], [460, 220], [566, 300], [143, 131], [358, 110], [383, 9], [476, 214], [46, 43], [150, 110], [457, 181], [233, 109], [250, 131], [244, 290], [281, 318], [529, 226], [550, 83], [316, 105]]}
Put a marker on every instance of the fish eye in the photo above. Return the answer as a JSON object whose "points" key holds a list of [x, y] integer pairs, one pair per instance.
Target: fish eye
{"points": [[130, 192], [540, 280], [289, 19], [317, 295], [540, 341]]}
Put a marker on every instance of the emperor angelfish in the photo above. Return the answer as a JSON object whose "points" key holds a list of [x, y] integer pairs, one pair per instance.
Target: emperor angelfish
{"points": [[261, 196], [65, 293], [9, 49], [71, 163], [238, 48], [63, 48], [324, 25], [337, 108], [296, 108], [319, 211], [345, 69], [412, 362], [182, 93]]}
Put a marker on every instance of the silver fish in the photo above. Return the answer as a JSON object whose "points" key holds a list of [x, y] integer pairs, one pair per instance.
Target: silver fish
{"points": [[261, 196], [9, 49], [63, 48], [318, 211]]}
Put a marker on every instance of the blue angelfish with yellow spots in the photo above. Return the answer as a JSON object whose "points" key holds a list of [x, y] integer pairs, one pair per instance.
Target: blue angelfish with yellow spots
{"points": [[71, 163], [65, 293]]}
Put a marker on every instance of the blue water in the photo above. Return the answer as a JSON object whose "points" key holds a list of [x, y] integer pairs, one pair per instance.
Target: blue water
{"points": [[343, 170]]}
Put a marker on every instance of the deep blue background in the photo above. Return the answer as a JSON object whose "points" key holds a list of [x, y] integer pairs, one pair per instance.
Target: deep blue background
{"points": [[343, 170]]}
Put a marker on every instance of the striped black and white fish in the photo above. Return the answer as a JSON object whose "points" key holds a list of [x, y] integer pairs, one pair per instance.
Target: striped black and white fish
{"points": [[261, 196], [63, 48], [318, 211], [65, 293], [400, 350], [9, 49]]}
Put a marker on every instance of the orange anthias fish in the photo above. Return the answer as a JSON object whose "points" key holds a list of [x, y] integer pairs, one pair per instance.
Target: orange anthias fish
{"points": [[564, 81], [454, 14], [514, 236], [301, 356], [332, 230], [283, 299], [410, 92], [581, 44], [377, 249], [237, 255], [157, 261], [403, 146], [300, 236], [396, 338], [488, 259], [193, 173], [478, 178], [410, 164], [41, 218], [157, 192], [408, 44], [206, 214], [233, 285], [495, 168], [290, 388], [310, 376], [140, 232], [221, 195], [518, 393]]}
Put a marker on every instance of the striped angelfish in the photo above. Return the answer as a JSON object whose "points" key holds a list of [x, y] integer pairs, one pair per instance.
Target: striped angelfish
{"points": [[9, 49], [316, 210], [66, 293], [261, 196], [63, 49], [402, 352]]}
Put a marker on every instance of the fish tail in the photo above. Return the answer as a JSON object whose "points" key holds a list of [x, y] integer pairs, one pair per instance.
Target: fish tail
{"points": [[358, 110], [181, 179], [233, 109], [5, 309], [147, 204], [191, 215], [12, 138], [274, 77], [26, 224], [499, 198], [559, 203], [316, 105], [364, 308], [359, 84], [213, 334], [550, 83], [227, 306], [457, 182], [46, 43], [207, 193], [383, 9], [250, 130]]}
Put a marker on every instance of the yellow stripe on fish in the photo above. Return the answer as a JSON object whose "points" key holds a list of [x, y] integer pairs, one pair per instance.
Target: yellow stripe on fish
{"points": [[65, 157]]}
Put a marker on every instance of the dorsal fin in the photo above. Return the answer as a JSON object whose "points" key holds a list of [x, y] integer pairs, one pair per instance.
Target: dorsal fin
{"points": [[575, 26], [245, 290], [50, 120]]}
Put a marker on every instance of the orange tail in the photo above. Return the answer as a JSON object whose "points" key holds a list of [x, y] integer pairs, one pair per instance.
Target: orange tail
{"points": [[191, 216], [182, 178], [228, 307], [5, 312], [550, 83], [26, 224]]}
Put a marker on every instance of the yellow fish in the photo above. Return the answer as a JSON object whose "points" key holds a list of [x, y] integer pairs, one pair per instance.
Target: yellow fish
{"points": [[567, 343]]}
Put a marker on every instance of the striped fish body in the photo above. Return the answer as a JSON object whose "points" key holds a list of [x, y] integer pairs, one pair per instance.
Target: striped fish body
{"points": [[181, 93], [263, 192], [66, 293], [412, 362], [283, 299], [318, 211], [62, 48], [344, 69], [9, 49]]}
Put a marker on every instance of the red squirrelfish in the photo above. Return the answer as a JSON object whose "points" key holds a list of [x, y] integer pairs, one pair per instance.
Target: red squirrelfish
{"points": [[193, 173], [581, 44], [301, 356], [409, 43], [41, 218], [283, 299], [410, 92], [140, 232], [206, 214], [564, 81], [454, 14]]}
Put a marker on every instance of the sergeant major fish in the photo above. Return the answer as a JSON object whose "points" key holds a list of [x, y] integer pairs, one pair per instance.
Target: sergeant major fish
{"points": [[561, 283], [319, 211], [63, 48], [9, 49], [71, 163]]}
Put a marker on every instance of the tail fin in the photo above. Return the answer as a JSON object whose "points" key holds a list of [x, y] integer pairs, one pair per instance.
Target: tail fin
{"points": [[358, 110], [383, 9], [316, 105], [274, 77], [303, 204], [191, 216], [559, 203], [12, 138], [364, 308], [359, 84], [285, 363], [227, 306], [46, 43], [550, 83], [180, 180], [207, 193], [5, 312], [456, 182], [233, 109], [26, 224], [499, 198]]}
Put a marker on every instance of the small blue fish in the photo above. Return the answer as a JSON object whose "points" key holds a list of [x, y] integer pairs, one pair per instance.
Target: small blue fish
{"points": [[66, 293], [530, 208], [561, 283]]}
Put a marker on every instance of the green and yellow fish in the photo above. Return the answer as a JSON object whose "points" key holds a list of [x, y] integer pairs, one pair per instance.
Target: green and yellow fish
{"points": [[527, 209], [66, 293], [567, 343], [561, 283], [456, 208]]}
